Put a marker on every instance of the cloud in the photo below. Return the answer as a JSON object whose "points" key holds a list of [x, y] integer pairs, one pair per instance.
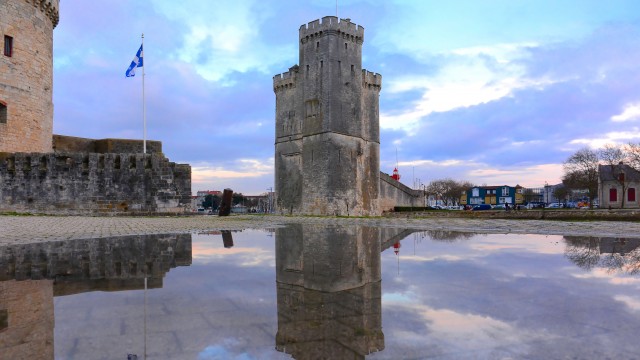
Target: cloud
{"points": [[466, 77], [631, 112], [217, 44], [614, 137], [244, 168]]}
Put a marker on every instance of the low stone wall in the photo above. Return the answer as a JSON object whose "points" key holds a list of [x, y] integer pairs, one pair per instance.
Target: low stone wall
{"points": [[569, 215], [81, 183], [394, 193], [64, 144]]}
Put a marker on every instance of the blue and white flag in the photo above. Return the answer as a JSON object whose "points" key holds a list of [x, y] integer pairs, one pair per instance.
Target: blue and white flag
{"points": [[137, 62]]}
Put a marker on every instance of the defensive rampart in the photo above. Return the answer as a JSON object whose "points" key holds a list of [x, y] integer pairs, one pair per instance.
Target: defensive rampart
{"points": [[62, 143], [80, 183], [394, 193]]}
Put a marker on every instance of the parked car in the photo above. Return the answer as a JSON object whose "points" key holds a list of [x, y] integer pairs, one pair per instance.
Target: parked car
{"points": [[499, 207], [555, 206], [535, 205], [481, 207]]}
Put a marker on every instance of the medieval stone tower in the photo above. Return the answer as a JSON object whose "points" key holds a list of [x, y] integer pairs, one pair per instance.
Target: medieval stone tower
{"points": [[26, 74], [327, 146]]}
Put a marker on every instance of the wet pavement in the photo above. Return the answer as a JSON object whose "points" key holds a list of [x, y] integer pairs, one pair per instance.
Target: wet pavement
{"points": [[29, 229]]}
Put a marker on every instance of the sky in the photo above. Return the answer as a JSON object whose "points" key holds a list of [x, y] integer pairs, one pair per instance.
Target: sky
{"points": [[497, 92]]}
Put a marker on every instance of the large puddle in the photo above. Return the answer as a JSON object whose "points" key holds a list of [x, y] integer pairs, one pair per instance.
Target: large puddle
{"points": [[315, 292]]}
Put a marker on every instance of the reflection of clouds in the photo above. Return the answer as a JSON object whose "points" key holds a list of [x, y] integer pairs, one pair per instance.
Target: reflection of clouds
{"points": [[632, 303], [248, 250], [539, 244], [606, 275], [223, 351], [450, 329], [436, 257], [241, 256]]}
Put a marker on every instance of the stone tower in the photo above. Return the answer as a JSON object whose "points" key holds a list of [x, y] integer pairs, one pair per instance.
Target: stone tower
{"points": [[26, 74], [327, 146]]}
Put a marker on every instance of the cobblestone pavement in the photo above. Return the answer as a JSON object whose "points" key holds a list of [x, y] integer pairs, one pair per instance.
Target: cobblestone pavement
{"points": [[28, 229]]}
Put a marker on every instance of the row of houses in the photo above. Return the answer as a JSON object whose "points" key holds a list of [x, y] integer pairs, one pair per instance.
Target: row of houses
{"points": [[493, 195], [618, 187]]}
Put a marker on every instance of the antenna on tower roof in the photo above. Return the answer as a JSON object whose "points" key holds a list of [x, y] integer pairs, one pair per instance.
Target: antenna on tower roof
{"points": [[337, 8]]}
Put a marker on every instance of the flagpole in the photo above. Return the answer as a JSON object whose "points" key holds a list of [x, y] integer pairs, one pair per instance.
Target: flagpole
{"points": [[144, 109]]}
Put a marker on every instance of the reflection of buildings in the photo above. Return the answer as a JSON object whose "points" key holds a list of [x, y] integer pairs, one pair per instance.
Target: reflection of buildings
{"points": [[614, 254], [329, 291], [31, 275]]}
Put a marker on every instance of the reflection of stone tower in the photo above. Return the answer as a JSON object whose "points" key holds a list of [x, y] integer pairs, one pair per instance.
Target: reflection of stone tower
{"points": [[329, 293], [26, 74], [327, 126]]}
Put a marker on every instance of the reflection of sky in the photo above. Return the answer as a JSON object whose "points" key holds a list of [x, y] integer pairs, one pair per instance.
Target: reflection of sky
{"points": [[481, 296], [245, 251], [503, 296], [223, 306]]}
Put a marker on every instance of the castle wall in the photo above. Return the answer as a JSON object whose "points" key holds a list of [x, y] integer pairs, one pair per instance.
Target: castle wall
{"points": [[26, 77], [90, 182], [394, 193], [62, 143], [327, 127]]}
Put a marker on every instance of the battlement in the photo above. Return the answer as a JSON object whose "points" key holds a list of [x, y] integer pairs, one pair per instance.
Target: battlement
{"points": [[286, 80], [331, 24], [371, 80], [49, 7], [93, 182]]}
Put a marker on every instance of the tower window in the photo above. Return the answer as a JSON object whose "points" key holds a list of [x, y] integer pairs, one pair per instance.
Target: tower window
{"points": [[3, 113], [8, 46], [318, 45], [345, 46]]}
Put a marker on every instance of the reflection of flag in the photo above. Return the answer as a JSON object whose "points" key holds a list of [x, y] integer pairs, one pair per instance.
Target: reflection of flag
{"points": [[137, 62]]}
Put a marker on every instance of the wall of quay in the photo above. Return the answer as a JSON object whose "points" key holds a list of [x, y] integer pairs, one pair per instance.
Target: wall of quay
{"points": [[81, 183]]}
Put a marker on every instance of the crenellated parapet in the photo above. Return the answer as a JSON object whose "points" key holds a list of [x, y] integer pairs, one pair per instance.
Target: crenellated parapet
{"points": [[70, 183], [286, 80], [371, 80], [49, 7], [332, 25]]}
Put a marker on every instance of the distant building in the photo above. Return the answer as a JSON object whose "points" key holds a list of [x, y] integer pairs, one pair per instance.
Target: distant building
{"points": [[618, 186], [493, 195], [202, 194]]}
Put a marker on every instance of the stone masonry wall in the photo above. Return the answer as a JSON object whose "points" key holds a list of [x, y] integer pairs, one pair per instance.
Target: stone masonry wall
{"points": [[26, 77], [95, 183], [63, 143], [394, 193]]}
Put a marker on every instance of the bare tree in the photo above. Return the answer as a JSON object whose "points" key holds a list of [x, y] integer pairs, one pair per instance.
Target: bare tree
{"points": [[448, 190], [581, 172], [632, 155]]}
